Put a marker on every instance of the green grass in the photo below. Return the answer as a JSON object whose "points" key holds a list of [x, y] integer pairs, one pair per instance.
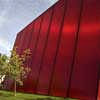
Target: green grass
{"points": [[5, 95]]}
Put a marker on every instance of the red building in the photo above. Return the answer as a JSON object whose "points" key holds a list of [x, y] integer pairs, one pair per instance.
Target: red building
{"points": [[65, 45]]}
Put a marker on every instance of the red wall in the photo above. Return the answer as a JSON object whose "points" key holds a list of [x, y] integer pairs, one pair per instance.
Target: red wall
{"points": [[65, 45]]}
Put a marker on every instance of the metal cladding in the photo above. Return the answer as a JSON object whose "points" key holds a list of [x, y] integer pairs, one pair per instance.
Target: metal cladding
{"points": [[65, 46]]}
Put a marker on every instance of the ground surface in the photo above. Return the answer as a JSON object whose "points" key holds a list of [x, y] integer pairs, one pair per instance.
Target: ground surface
{"points": [[5, 95]]}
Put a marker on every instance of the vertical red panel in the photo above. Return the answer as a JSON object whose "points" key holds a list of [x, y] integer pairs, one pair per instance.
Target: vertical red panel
{"points": [[30, 45], [84, 76], [50, 49], [60, 77], [24, 44], [40, 47], [17, 40], [26, 37], [34, 35], [31, 32], [28, 34], [19, 48]]}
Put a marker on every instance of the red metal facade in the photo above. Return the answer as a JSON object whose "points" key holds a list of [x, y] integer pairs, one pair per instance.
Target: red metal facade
{"points": [[65, 45]]}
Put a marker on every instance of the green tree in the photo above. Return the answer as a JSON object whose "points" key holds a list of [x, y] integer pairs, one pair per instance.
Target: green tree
{"points": [[17, 70], [14, 67], [3, 61]]}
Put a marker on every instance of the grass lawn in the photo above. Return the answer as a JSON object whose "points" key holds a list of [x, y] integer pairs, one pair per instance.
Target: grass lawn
{"points": [[5, 95]]}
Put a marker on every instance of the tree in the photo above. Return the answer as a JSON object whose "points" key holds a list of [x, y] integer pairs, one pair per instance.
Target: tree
{"points": [[3, 61], [14, 67]]}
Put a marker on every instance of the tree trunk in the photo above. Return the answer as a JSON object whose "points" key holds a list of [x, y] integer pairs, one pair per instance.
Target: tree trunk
{"points": [[15, 87]]}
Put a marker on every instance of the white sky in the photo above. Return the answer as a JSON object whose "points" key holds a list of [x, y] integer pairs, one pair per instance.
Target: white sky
{"points": [[15, 15]]}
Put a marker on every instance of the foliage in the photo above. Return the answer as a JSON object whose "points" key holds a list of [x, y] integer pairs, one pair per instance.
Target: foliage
{"points": [[14, 66], [3, 62]]}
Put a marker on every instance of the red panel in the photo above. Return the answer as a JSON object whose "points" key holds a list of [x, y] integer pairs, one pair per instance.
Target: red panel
{"points": [[20, 41], [55, 71], [30, 31], [24, 44], [34, 36], [23, 38], [37, 54], [65, 53], [50, 50], [84, 77], [26, 37], [18, 37]]}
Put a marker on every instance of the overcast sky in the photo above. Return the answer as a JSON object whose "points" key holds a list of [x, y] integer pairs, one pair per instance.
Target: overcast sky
{"points": [[15, 15]]}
